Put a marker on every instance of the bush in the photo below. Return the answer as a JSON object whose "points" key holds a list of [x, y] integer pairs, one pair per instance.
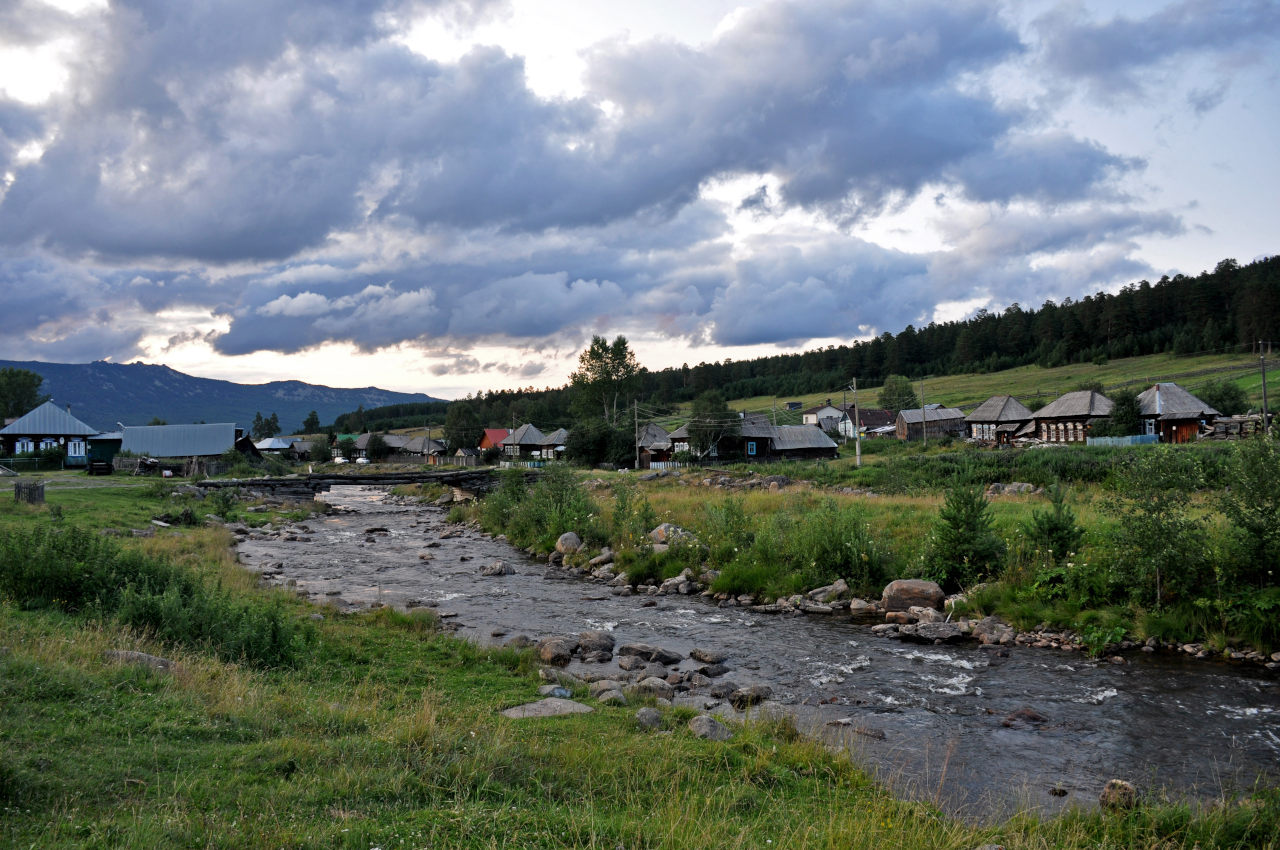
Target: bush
{"points": [[633, 517], [1054, 532], [1252, 504], [538, 515], [1161, 548]]}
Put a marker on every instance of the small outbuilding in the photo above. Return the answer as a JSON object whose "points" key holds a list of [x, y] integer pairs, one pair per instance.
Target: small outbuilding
{"points": [[932, 422]]}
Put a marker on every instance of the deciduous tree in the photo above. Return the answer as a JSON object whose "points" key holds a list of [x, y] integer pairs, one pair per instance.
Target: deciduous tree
{"points": [[606, 377]]}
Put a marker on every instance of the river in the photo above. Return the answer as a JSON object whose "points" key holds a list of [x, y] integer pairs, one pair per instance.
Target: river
{"points": [[929, 720]]}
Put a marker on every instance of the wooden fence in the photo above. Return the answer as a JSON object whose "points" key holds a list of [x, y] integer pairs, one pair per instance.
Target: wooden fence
{"points": [[31, 492]]}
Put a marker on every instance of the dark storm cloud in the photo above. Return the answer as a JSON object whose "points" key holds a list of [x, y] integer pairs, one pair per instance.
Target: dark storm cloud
{"points": [[1113, 55], [291, 169]]}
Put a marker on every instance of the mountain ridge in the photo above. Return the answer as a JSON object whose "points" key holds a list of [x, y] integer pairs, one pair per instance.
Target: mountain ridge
{"points": [[103, 394]]}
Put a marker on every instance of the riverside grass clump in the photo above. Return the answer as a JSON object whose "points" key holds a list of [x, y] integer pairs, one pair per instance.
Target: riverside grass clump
{"points": [[81, 573]]}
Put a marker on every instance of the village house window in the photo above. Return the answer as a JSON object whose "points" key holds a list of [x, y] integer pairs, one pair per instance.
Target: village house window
{"points": [[75, 448], [48, 443], [25, 446], [751, 447]]}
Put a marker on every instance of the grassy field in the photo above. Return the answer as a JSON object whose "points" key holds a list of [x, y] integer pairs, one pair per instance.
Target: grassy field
{"points": [[387, 733], [1033, 382]]}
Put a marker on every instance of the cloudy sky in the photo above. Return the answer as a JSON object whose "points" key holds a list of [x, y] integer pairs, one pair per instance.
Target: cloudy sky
{"points": [[453, 195]]}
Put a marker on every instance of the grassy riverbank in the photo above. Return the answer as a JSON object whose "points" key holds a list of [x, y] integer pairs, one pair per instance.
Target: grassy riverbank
{"points": [[379, 730], [1180, 544]]}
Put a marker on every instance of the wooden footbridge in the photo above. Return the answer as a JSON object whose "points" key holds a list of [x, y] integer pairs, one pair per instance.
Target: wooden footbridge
{"points": [[304, 487]]}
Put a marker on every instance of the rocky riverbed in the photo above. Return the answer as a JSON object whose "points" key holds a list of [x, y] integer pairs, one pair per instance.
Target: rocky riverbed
{"points": [[977, 727]]}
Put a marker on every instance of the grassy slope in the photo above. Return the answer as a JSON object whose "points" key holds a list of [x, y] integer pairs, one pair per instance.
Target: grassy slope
{"points": [[1028, 382]]}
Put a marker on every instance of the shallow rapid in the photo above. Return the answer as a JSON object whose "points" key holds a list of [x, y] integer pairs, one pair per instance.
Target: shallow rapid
{"points": [[930, 720]]}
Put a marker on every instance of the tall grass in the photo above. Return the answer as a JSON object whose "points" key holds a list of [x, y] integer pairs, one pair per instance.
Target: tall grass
{"points": [[78, 572]]}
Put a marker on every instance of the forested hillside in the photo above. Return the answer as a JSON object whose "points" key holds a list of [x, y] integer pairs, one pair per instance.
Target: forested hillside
{"points": [[1228, 309]]}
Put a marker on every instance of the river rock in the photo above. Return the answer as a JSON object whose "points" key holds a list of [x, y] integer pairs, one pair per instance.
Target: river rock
{"points": [[931, 633], [654, 669], [706, 726], [697, 680], [830, 592], [649, 718], [744, 698], [631, 662], [713, 670], [605, 557], [595, 641], [557, 650], [549, 707], [497, 568], [1118, 795], [864, 612], [614, 697], [989, 630], [519, 642], [651, 653], [1024, 717], [568, 543], [555, 691], [601, 686], [655, 687], [926, 615], [906, 593], [708, 656], [722, 690]]}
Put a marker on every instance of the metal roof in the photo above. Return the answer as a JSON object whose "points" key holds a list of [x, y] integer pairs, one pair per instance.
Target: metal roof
{"points": [[179, 440], [557, 437], [1000, 408], [1076, 404], [916, 415], [1170, 401], [525, 435], [49, 420], [273, 444], [654, 436], [790, 437]]}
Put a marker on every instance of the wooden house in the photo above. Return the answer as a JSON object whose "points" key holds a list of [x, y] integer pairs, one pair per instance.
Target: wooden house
{"points": [[1173, 414], [1068, 419], [932, 422], [525, 441], [997, 419], [553, 445], [49, 427], [492, 438], [766, 442], [654, 444]]}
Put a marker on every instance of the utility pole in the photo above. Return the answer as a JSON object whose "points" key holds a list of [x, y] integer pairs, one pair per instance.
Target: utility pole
{"points": [[1262, 359], [636, 402], [844, 410], [857, 428]]}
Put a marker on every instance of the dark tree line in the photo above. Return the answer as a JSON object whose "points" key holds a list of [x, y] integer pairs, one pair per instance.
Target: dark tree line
{"points": [[1228, 308]]}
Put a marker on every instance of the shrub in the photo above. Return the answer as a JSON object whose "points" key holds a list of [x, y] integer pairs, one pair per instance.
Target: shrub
{"points": [[965, 549], [1161, 548], [727, 530], [1054, 532], [633, 517], [1252, 504], [80, 572]]}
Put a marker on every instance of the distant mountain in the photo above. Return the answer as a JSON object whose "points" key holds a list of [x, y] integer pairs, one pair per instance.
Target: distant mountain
{"points": [[102, 394]]}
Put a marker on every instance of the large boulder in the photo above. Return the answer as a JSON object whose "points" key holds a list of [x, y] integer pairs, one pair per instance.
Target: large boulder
{"points": [[568, 543], [907, 593]]}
